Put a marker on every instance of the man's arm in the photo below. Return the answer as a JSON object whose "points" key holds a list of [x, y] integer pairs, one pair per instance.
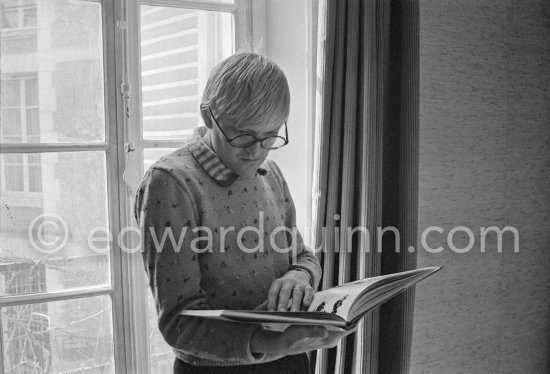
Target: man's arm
{"points": [[305, 267], [302, 256]]}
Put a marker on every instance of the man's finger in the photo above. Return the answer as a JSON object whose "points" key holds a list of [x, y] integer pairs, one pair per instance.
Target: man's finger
{"points": [[273, 295], [297, 297], [284, 296], [262, 306], [308, 297]]}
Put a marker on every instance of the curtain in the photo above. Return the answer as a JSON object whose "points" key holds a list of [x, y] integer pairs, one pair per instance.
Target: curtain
{"points": [[366, 168]]}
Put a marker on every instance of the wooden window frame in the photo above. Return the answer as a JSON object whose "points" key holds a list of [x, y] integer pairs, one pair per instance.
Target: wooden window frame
{"points": [[110, 147], [123, 147]]}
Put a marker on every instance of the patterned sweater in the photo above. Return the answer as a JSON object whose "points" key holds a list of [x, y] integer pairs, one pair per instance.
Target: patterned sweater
{"points": [[207, 265]]}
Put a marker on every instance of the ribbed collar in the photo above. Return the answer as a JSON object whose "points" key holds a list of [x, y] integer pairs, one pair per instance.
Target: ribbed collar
{"points": [[210, 161]]}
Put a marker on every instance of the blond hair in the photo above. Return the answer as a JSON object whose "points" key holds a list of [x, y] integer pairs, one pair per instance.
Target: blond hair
{"points": [[247, 88]]}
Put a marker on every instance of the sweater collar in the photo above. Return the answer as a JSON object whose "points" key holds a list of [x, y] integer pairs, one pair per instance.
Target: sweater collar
{"points": [[210, 161]]}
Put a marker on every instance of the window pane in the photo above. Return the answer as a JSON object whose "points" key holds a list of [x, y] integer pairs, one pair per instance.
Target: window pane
{"points": [[10, 93], [69, 109], [33, 127], [14, 178], [34, 158], [45, 245], [11, 126], [70, 336], [9, 18], [35, 178], [179, 47], [13, 168], [162, 355], [29, 17], [31, 92], [15, 158]]}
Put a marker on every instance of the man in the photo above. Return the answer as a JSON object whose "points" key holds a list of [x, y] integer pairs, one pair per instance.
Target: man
{"points": [[227, 206]]}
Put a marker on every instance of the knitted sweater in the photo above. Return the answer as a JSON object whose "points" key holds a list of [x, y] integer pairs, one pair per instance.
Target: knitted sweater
{"points": [[206, 264]]}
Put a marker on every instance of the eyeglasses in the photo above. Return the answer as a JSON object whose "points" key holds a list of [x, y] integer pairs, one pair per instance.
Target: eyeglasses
{"points": [[246, 140]]}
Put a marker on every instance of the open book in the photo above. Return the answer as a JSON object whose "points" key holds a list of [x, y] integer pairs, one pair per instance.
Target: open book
{"points": [[339, 307]]}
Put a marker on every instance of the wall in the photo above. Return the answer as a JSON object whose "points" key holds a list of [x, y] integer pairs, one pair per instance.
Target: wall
{"points": [[484, 136], [287, 46]]}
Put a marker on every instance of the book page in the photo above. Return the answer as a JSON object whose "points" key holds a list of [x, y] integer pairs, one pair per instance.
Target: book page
{"points": [[384, 290], [344, 300], [339, 299]]}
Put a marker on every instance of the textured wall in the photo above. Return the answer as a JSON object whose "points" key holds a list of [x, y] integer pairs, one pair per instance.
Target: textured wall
{"points": [[485, 160]]}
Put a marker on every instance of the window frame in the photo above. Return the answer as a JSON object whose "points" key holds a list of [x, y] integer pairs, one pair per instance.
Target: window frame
{"points": [[123, 149], [109, 146]]}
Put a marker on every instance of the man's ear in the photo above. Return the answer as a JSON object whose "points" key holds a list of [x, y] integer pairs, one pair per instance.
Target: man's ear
{"points": [[207, 119]]}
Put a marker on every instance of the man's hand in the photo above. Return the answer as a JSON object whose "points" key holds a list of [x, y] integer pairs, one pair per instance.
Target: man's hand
{"points": [[295, 339], [293, 290]]}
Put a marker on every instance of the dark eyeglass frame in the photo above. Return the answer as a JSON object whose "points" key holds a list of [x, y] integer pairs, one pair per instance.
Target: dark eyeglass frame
{"points": [[256, 140]]}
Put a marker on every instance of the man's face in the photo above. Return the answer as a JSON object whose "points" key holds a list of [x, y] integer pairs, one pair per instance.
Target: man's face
{"points": [[242, 161]]}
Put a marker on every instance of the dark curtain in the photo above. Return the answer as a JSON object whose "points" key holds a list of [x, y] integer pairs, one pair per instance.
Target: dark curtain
{"points": [[366, 167]]}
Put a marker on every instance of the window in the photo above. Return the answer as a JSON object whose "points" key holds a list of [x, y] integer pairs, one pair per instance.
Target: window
{"points": [[18, 14], [56, 302], [19, 114], [68, 304], [21, 173], [19, 118], [18, 22]]}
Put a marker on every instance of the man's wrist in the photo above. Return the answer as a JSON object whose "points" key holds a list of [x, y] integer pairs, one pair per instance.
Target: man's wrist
{"points": [[260, 341], [304, 270]]}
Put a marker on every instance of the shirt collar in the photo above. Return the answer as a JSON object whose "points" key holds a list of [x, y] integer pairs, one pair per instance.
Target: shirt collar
{"points": [[210, 161]]}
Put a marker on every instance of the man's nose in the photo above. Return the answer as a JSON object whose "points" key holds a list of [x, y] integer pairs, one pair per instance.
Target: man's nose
{"points": [[254, 150]]}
